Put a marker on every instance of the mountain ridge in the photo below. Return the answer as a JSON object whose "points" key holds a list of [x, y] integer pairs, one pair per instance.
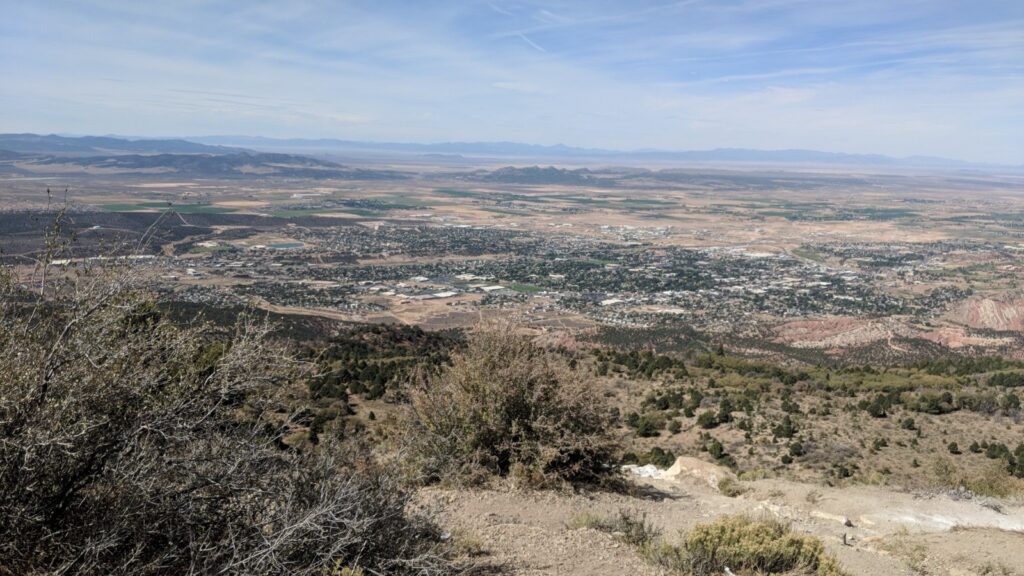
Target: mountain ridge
{"points": [[28, 143], [517, 149]]}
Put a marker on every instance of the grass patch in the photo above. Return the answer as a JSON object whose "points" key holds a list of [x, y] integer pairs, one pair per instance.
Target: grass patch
{"points": [[364, 212], [455, 193], [627, 526], [299, 212], [913, 553]]}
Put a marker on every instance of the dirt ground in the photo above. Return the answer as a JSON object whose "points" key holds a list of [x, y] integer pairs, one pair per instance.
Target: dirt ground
{"points": [[889, 532]]}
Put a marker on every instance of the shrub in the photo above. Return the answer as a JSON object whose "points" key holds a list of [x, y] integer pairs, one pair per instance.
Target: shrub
{"points": [[785, 429], [933, 403], [994, 480], [1010, 403], [506, 407], [1008, 379], [742, 544], [134, 446], [1017, 462], [668, 557], [718, 452], [761, 546], [648, 426], [997, 450], [725, 409], [707, 420], [658, 457], [876, 409], [731, 488]]}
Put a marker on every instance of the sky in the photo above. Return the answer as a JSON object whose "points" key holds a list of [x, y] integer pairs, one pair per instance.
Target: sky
{"points": [[896, 77]]}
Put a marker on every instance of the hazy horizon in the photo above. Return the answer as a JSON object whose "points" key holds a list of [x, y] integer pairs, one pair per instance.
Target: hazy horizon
{"points": [[902, 79]]}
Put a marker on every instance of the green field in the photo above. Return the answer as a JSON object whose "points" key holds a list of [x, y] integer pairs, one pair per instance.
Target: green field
{"points": [[524, 288], [160, 206], [302, 212]]}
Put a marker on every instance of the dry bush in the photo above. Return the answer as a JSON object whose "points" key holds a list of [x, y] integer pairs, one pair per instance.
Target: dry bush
{"points": [[631, 527], [731, 488], [740, 544], [760, 546], [507, 407], [992, 480], [132, 446]]}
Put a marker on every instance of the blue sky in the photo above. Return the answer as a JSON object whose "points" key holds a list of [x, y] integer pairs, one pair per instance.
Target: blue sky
{"points": [[897, 77]]}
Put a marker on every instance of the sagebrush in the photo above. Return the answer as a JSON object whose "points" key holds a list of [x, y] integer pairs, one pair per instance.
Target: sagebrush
{"points": [[508, 407], [129, 445], [745, 544]]}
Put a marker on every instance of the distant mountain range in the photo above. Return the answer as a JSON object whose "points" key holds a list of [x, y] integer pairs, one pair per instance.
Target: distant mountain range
{"points": [[219, 156], [51, 154], [53, 144], [559, 151]]}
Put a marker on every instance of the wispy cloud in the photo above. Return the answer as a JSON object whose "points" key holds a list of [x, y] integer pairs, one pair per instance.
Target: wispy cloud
{"points": [[892, 76], [500, 10], [531, 43]]}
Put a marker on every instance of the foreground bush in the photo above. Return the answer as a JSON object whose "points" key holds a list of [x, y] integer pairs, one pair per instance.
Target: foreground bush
{"points": [[131, 446], [509, 408], [737, 543], [759, 546]]}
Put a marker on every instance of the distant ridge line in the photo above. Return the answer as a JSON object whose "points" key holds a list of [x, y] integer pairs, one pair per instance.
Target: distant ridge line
{"points": [[516, 149], [52, 143]]}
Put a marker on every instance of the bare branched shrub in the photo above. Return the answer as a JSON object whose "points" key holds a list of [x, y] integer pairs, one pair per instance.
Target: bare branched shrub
{"points": [[510, 408], [129, 445]]}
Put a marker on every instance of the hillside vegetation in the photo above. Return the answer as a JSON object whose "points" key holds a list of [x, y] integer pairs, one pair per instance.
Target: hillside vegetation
{"points": [[131, 445]]}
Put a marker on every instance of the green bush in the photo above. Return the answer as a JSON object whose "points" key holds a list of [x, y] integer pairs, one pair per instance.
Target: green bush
{"points": [[506, 407], [648, 426], [660, 458], [707, 420], [759, 546], [785, 429]]}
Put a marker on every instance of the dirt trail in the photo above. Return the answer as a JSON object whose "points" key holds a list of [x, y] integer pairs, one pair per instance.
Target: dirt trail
{"points": [[892, 533]]}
